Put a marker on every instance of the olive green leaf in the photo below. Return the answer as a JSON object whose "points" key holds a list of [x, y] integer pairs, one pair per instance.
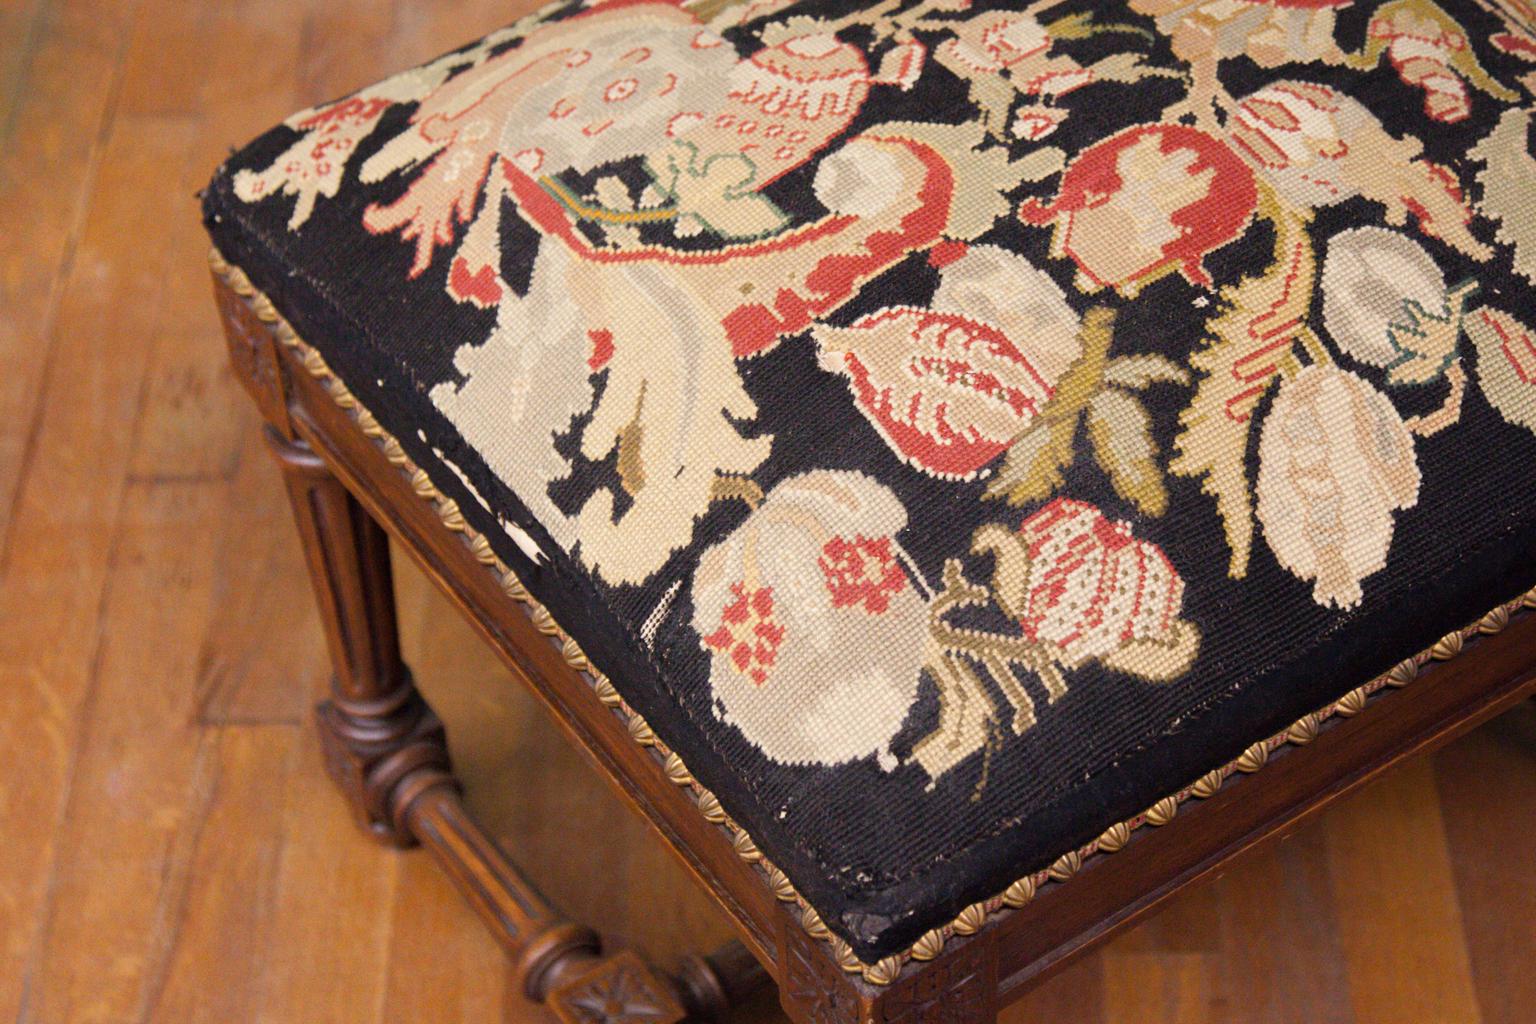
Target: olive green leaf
{"points": [[1031, 470], [1121, 434], [1136, 372]]}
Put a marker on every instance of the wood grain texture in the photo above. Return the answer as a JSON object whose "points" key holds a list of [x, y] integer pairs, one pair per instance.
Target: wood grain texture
{"points": [[173, 850]]}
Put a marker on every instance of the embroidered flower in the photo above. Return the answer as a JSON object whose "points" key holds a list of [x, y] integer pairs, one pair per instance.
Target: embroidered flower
{"points": [[591, 89], [1335, 461], [312, 166], [1428, 49], [948, 387], [748, 634], [860, 179], [1036, 120], [1506, 364], [1269, 32], [1319, 147], [1086, 588], [994, 40], [1386, 303], [788, 100], [1300, 135], [815, 635], [1005, 54], [1148, 200], [862, 571]]}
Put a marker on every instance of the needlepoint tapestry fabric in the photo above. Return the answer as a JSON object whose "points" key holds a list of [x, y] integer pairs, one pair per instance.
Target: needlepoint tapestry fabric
{"points": [[953, 424]]}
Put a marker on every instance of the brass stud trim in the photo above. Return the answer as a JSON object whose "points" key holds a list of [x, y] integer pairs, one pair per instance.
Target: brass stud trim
{"points": [[1304, 730], [1352, 703], [1208, 784], [929, 946], [1065, 866], [1447, 647], [1494, 621], [1022, 890], [1403, 673], [1254, 758], [1162, 812], [1114, 837], [884, 972], [970, 920]]}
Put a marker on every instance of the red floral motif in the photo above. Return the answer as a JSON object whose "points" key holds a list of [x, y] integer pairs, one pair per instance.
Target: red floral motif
{"points": [[861, 571], [1506, 364], [312, 167], [575, 94], [1091, 585], [748, 632], [1421, 52], [1145, 201], [994, 40], [1429, 49], [789, 100], [947, 391]]}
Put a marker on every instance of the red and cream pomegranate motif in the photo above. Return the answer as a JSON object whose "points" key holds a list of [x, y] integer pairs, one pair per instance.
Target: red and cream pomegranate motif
{"points": [[597, 87], [1145, 201]]}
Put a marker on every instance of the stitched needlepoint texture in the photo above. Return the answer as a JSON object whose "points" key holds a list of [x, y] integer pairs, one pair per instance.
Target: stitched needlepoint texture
{"points": [[954, 425]]}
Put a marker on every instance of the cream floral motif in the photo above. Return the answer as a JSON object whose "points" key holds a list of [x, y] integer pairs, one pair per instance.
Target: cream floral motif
{"points": [[312, 167], [1386, 303], [818, 627], [1319, 147], [1506, 182], [816, 636], [694, 184], [523, 386], [1335, 461], [1004, 55], [1506, 364]]}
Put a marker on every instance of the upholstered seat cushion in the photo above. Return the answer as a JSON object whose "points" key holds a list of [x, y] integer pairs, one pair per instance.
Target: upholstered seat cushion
{"points": [[954, 427]]}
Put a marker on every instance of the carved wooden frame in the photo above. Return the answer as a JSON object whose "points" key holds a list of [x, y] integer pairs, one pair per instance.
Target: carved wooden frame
{"points": [[388, 753]]}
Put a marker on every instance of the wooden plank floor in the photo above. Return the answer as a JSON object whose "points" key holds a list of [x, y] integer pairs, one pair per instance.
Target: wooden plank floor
{"points": [[169, 848]]}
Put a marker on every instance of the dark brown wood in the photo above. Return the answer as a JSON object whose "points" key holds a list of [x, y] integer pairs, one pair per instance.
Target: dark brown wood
{"points": [[971, 978], [376, 728], [388, 751], [711, 985]]}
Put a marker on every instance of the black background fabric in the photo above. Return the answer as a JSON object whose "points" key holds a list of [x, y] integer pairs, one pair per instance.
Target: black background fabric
{"points": [[880, 858]]}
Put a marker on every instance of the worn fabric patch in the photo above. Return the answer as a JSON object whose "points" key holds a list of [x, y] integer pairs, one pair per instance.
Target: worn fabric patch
{"points": [[954, 425]]}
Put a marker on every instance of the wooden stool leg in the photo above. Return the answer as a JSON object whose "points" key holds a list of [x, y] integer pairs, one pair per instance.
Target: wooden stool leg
{"points": [[389, 754], [375, 727]]}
